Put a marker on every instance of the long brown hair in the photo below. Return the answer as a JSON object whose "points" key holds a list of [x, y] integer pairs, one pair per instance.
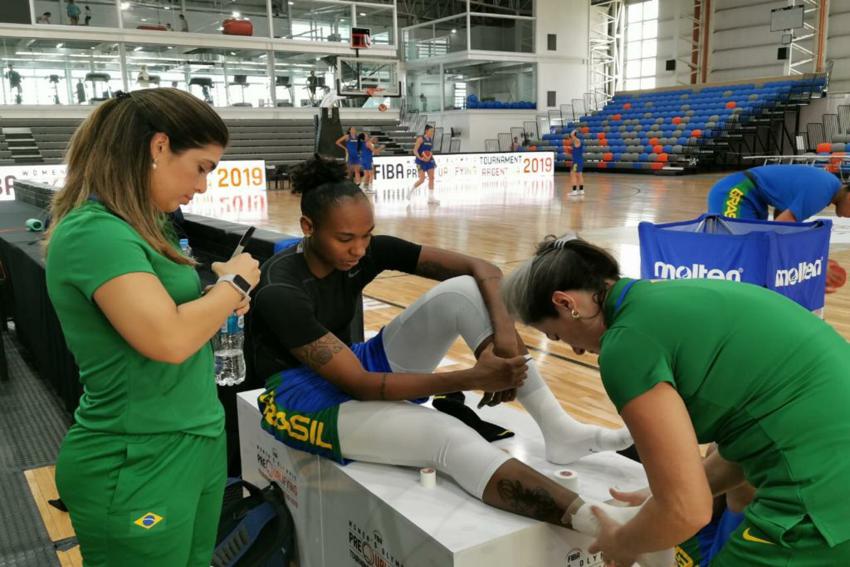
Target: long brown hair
{"points": [[109, 157]]}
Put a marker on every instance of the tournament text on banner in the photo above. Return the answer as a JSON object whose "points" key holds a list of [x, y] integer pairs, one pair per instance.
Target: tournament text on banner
{"points": [[392, 171]]}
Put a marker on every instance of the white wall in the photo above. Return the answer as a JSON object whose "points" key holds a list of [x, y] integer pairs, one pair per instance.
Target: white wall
{"points": [[479, 125], [565, 70], [838, 45], [674, 34], [742, 45]]}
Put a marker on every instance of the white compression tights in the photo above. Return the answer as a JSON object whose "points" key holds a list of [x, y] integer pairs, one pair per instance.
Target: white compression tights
{"points": [[404, 434]]}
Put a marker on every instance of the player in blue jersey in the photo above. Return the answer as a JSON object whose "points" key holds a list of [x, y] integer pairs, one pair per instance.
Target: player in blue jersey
{"points": [[352, 147], [423, 151], [796, 192], [576, 175]]}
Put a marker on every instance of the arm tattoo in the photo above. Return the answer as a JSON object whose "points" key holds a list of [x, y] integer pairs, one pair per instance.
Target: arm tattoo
{"points": [[384, 386], [319, 352], [534, 503], [435, 271]]}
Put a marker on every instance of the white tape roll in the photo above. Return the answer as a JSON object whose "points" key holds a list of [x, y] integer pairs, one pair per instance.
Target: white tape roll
{"points": [[567, 478], [428, 478]]}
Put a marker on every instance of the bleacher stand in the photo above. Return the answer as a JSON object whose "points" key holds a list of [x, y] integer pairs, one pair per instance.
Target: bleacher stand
{"points": [[669, 128], [280, 143]]}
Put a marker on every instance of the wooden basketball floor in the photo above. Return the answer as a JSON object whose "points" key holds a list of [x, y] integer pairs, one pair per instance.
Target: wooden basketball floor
{"points": [[503, 221]]}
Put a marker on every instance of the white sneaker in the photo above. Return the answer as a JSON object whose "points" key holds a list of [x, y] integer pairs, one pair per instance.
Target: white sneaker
{"points": [[433, 200], [368, 190], [581, 191], [574, 192]]}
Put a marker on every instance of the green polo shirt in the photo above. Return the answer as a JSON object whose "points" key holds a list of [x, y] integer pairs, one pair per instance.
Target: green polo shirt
{"points": [[761, 376], [125, 392]]}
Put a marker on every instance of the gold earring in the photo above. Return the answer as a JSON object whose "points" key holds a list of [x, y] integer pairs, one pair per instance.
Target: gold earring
{"points": [[575, 314]]}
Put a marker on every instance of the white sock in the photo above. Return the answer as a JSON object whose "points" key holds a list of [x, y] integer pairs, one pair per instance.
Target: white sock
{"points": [[584, 521], [567, 440]]}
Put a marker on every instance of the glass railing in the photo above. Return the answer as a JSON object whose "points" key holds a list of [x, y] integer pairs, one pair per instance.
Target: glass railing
{"points": [[323, 21], [434, 39]]}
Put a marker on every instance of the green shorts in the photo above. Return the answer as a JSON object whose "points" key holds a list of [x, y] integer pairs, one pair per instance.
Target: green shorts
{"points": [[804, 547], [142, 500]]}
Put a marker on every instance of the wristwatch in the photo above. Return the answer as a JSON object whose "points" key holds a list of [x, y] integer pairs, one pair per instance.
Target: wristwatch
{"points": [[239, 283]]}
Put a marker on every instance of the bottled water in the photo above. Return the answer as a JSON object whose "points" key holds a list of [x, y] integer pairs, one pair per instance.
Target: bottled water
{"points": [[185, 248], [229, 359]]}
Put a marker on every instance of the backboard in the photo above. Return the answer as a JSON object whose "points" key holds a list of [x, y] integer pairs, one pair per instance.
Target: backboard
{"points": [[357, 76]]}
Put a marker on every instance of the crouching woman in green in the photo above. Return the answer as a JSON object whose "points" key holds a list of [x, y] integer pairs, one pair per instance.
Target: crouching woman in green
{"points": [[142, 470], [699, 361]]}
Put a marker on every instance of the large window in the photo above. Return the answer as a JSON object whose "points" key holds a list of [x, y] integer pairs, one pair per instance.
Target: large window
{"points": [[435, 39], [41, 71], [493, 85], [641, 45], [502, 34]]}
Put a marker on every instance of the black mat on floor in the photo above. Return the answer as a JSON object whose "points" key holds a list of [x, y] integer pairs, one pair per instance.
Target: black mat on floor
{"points": [[32, 424]]}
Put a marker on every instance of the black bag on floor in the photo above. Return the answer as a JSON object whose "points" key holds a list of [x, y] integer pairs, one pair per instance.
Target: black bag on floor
{"points": [[254, 531]]}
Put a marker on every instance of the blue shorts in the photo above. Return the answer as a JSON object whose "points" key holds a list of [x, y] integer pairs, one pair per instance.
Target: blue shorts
{"points": [[366, 165], [578, 166], [301, 409], [700, 549], [353, 162], [425, 165], [729, 197]]}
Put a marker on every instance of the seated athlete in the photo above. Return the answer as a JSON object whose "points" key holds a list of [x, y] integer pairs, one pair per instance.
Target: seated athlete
{"points": [[796, 192], [347, 401]]}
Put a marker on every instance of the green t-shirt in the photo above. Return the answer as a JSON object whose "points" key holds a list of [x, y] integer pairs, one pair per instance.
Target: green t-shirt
{"points": [[123, 391], [761, 376]]}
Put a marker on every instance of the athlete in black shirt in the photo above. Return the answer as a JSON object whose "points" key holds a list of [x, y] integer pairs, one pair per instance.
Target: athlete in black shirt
{"points": [[346, 400]]}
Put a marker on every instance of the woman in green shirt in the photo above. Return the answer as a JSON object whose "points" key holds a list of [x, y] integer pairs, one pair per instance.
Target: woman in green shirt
{"points": [[142, 470], [698, 361]]}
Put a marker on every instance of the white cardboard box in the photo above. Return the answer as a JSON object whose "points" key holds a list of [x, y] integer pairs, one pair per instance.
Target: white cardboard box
{"points": [[368, 515]]}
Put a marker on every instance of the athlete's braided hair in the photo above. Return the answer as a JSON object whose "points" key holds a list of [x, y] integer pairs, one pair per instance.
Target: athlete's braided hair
{"points": [[322, 184], [561, 264]]}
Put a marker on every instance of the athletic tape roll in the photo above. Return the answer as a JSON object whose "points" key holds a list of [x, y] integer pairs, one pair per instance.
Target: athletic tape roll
{"points": [[35, 225], [567, 478], [428, 478]]}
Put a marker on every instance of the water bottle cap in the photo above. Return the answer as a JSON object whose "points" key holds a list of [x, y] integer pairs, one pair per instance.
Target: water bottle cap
{"points": [[184, 242]]}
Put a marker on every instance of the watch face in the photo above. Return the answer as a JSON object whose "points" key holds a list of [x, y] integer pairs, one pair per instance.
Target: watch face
{"points": [[242, 283]]}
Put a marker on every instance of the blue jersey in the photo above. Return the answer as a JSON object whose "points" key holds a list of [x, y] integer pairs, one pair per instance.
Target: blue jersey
{"points": [[353, 154], [802, 189], [427, 145], [578, 153], [366, 157]]}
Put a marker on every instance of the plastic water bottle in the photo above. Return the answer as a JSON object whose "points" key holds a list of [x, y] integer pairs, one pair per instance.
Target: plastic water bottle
{"points": [[185, 248], [229, 359]]}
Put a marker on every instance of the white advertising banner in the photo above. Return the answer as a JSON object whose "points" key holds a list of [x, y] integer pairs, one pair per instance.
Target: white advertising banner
{"points": [[49, 174], [236, 190], [391, 171]]}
